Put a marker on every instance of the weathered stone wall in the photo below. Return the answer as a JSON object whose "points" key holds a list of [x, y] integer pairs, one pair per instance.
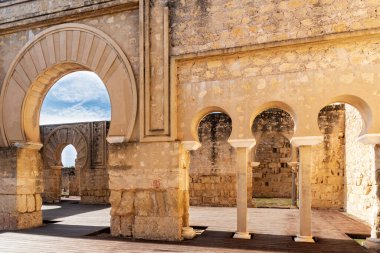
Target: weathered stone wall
{"points": [[360, 170], [20, 188], [328, 176], [272, 178], [147, 190], [204, 24], [213, 165], [89, 139]]}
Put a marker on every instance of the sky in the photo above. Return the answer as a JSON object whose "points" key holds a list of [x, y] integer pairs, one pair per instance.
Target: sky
{"points": [[77, 97]]}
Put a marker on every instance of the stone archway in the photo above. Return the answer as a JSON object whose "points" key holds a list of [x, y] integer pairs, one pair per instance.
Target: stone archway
{"points": [[53, 53], [54, 143]]}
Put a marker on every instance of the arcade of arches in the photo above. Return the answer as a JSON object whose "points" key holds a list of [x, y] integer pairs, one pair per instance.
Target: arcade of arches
{"points": [[205, 96]]}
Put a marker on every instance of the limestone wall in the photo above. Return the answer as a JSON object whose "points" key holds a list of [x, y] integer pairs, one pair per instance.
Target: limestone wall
{"points": [[70, 181], [147, 190], [213, 165], [204, 24], [327, 178], [360, 170], [20, 188], [272, 178]]}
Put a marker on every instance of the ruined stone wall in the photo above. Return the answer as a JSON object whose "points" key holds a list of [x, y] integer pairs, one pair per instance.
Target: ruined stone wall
{"points": [[89, 139], [147, 190], [327, 178], [360, 170], [272, 178], [204, 24], [213, 165], [20, 188]]}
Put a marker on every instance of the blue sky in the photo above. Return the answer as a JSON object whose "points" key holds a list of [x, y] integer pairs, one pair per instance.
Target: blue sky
{"points": [[77, 97]]}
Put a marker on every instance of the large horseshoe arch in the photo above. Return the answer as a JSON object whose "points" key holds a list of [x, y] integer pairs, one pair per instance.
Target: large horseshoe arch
{"points": [[52, 54]]}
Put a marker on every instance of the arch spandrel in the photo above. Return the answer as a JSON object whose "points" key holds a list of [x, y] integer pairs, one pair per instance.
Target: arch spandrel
{"points": [[52, 54]]}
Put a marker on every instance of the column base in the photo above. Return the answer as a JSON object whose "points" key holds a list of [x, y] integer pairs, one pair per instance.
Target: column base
{"points": [[373, 244], [242, 235], [293, 207], [188, 233], [308, 239]]}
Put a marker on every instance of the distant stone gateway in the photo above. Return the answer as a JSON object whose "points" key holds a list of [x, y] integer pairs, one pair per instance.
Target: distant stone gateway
{"points": [[213, 103]]}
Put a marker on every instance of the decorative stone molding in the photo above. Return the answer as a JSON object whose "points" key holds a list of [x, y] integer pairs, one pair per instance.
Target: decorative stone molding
{"points": [[306, 141], [61, 137], [190, 145], [29, 145], [242, 143], [157, 97], [115, 139], [369, 139]]}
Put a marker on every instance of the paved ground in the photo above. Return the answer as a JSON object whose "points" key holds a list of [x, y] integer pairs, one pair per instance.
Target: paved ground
{"points": [[272, 229]]}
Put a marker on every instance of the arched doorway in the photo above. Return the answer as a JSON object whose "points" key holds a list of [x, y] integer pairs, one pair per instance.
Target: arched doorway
{"points": [[53, 53]]}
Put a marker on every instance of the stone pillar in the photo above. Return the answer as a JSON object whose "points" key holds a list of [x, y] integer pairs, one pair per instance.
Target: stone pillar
{"points": [[294, 187], [373, 242], [187, 231], [242, 150], [20, 187], [305, 167]]}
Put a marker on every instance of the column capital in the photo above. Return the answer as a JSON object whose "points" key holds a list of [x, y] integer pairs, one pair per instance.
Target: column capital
{"points": [[242, 143], [116, 139], [306, 141], [29, 145], [369, 139], [190, 145]]}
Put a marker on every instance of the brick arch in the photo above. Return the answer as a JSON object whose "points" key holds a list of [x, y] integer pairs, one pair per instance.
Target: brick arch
{"points": [[58, 139], [52, 54]]}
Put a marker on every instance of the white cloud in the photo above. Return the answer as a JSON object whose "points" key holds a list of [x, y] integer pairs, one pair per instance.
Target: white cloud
{"points": [[76, 113], [79, 86]]}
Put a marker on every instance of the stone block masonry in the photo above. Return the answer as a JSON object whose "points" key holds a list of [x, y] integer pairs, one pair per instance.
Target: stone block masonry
{"points": [[147, 190]]}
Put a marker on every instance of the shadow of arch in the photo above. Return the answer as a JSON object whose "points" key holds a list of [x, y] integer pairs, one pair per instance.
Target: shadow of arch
{"points": [[200, 115], [273, 104], [52, 54]]}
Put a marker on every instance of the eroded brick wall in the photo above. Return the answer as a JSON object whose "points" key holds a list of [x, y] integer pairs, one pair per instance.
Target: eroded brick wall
{"points": [[212, 166]]}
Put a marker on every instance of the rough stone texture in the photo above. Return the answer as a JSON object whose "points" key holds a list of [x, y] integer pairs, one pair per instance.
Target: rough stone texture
{"points": [[20, 200], [328, 176], [272, 178], [360, 170], [152, 208], [213, 165], [204, 25]]}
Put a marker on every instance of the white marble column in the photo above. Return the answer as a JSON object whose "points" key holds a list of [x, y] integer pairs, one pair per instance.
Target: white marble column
{"points": [[373, 242], [187, 231], [304, 176], [242, 149]]}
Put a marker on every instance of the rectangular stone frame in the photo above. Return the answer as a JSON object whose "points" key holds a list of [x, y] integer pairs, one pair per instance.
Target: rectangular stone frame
{"points": [[151, 127]]}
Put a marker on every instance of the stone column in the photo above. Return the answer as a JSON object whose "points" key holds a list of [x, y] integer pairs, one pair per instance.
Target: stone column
{"points": [[187, 231], [20, 187], [242, 150], [294, 186], [373, 242], [305, 166]]}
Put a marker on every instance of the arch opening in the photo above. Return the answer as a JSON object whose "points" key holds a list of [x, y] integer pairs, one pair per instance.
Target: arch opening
{"points": [[272, 177], [43, 61]]}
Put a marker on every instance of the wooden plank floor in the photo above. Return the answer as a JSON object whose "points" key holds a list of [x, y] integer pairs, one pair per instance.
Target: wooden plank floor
{"points": [[272, 230]]}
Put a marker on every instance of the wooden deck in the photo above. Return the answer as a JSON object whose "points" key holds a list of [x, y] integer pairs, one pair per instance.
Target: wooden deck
{"points": [[272, 232]]}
